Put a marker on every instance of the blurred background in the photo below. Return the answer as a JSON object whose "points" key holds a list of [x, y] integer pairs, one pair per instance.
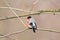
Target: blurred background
{"points": [[13, 29]]}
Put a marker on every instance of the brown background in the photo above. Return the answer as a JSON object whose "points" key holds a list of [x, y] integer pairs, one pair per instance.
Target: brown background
{"points": [[46, 21]]}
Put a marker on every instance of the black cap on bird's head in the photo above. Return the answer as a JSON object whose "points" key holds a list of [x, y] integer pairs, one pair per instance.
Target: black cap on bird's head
{"points": [[28, 17]]}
